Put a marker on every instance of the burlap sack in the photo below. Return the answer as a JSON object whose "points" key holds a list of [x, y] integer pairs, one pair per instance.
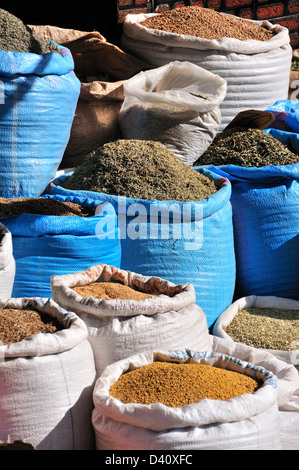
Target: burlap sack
{"points": [[96, 117]]}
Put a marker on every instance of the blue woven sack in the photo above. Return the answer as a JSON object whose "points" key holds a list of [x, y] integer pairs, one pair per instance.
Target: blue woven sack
{"points": [[44, 245], [38, 99], [265, 204], [185, 242], [285, 126]]}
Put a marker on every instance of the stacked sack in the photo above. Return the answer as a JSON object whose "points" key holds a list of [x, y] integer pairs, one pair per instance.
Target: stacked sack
{"points": [[126, 334], [256, 70]]}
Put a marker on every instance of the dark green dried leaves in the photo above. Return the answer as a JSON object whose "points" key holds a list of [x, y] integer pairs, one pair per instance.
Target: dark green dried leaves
{"points": [[139, 169], [15, 36], [266, 328], [246, 148]]}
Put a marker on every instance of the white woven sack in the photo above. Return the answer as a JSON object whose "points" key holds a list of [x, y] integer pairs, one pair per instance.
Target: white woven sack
{"points": [[246, 422], [47, 383], [119, 328], [257, 72], [7, 263], [176, 104], [288, 386], [291, 357]]}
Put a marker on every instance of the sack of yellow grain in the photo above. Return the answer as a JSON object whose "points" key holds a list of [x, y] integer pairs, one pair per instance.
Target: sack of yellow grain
{"points": [[146, 312], [204, 408]]}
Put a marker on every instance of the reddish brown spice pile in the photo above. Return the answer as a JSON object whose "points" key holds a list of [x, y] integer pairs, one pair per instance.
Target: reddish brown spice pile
{"points": [[206, 23], [17, 324]]}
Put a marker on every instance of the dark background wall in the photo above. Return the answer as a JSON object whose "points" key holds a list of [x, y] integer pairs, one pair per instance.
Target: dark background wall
{"points": [[100, 16]]}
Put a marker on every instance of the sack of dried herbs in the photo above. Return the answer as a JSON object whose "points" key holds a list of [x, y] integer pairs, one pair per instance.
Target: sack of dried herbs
{"points": [[246, 422], [268, 325], [265, 322], [265, 208], [49, 380], [285, 126], [176, 105], [254, 57], [39, 94], [58, 238], [172, 237], [119, 327]]}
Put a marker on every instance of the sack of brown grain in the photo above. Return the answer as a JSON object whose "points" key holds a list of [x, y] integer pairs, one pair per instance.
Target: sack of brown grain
{"points": [[119, 326], [46, 378], [256, 69]]}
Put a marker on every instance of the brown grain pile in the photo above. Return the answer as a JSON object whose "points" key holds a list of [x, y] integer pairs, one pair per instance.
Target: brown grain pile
{"points": [[17, 324], [110, 290], [178, 385], [206, 23], [41, 206]]}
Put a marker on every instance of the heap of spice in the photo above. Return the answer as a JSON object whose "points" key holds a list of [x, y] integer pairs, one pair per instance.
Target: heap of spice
{"points": [[181, 384], [141, 169], [247, 148], [41, 206], [206, 23], [266, 328], [15, 36], [110, 290], [18, 324]]}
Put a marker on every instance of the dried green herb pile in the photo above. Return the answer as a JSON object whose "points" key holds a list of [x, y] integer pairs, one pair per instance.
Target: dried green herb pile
{"points": [[15, 36], [266, 328], [139, 169], [246, 148]]}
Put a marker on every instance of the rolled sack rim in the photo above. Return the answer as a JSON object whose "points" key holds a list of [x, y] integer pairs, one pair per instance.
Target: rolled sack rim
{"points": [[122, 204], [63, 293], [201, 413], [134, 30], [74, 330], [27, 63]]}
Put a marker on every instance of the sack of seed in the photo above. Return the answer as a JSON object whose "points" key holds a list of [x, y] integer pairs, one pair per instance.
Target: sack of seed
{"points": [[196, 412], [264, 322], [287, 387], [254, 57], [7, 263], [268, 325], [177, 105], [47, 375], [38, 97], [58, 234], [127, 313]]}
